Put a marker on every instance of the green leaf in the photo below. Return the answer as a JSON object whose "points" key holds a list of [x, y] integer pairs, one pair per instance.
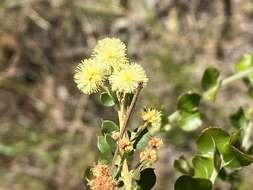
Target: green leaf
{"points": [[203, 166], [107, 100], [211, 138], [183, 166], [143, 141], [229, 158], [103, 145], [111, 142], [189, 121], [243, 158], [189, 102], [238, 119], [236, 138], [109, 126], [188, 183], [210, 83], [245, 63], [147, 179], [235, 158]]}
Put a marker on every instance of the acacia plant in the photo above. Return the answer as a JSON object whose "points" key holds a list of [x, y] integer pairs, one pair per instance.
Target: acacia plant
{"points": [[220, 153], [119, 83]]}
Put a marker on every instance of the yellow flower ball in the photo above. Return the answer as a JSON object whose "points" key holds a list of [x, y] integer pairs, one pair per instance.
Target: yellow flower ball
{"points": [[89, 76], [152, 116], [111, 52], [128, 78]]}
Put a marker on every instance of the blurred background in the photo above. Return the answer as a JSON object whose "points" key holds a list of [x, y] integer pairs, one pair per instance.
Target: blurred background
{"points": [[48, 128]]}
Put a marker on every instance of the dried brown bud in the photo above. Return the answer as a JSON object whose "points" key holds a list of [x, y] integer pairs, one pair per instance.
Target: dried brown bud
{"points": [[103, 183], [148, 154], [125, 145], [100, 170], [155, 142]]}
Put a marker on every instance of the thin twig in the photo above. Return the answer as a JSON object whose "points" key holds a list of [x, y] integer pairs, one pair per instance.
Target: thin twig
{"points": [[237, 76], [125, 123]]}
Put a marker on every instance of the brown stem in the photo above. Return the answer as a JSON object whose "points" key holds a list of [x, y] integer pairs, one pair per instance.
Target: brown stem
{"points": [[125, 123]]}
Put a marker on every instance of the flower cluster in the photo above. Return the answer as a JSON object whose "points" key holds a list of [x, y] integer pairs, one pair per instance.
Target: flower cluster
{"points": [[150, 153], [108, 70], [109, 64], [102, 180]]}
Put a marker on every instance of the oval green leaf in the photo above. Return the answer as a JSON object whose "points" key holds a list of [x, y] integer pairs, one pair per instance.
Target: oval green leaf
{"points": [[109, 126], [107, 100], [211, 138], [189, 121], [188, 183], [210, 83], [203, 167], [246, 63], [188, 102], [147, 179], [103, 145]]}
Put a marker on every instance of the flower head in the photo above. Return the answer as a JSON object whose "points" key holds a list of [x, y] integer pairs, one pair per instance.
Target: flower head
{"points": [[103, 183], [149, 154], [152, 116], [89, 76], [111, 51], [155, 142], [100, 170], [128, 78]]}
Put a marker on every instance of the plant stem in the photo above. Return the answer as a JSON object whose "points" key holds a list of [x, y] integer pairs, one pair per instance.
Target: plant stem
{"points": [[246, 137], [125, 122], [213, 176], [237, 76], [172, 117]]}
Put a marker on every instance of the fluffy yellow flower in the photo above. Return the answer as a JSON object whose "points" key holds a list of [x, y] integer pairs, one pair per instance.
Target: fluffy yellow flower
{"points": [[128, 78], [152, 116], [111, 51], [89, 76]]}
